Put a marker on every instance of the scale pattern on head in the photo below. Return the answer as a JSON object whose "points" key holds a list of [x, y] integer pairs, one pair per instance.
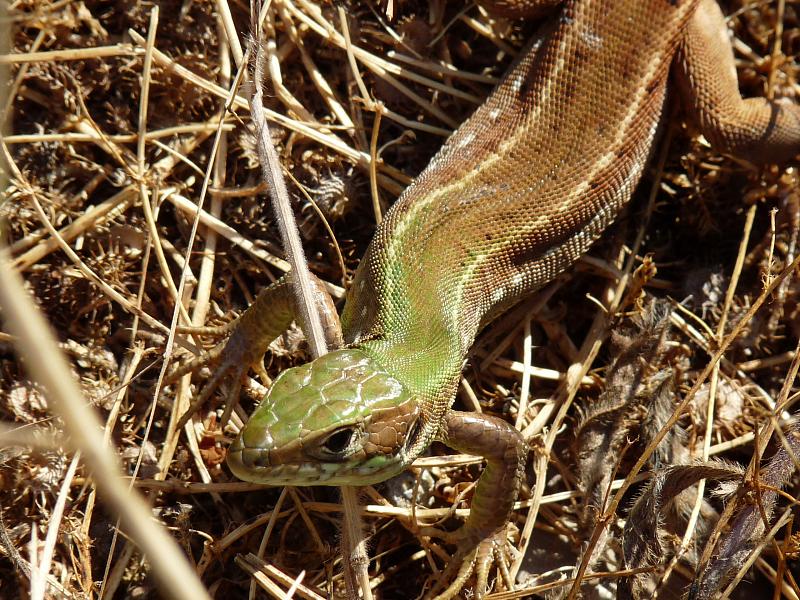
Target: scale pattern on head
{"points": [[339, 420]]}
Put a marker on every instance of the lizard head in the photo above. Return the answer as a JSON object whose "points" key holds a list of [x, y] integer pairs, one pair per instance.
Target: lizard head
{"points": [[339, 420]]}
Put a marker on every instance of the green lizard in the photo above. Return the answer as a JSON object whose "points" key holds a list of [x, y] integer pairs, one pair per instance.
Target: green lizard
{"points": [[514, 197]]}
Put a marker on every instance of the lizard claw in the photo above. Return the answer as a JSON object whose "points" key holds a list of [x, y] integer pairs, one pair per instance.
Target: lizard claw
{"points": [[471, 558], [233, 357]]}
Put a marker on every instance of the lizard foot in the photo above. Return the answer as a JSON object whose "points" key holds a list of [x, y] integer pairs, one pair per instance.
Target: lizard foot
{"points": [[230, 358], [268, 317], [483, 538], [477, 559]]}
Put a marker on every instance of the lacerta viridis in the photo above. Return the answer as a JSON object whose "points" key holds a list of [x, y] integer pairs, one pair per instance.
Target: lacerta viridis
{"points": [[514, 197]]}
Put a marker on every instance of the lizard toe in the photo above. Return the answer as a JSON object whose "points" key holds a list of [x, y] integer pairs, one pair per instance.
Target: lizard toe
{"points": [[475, 560]]}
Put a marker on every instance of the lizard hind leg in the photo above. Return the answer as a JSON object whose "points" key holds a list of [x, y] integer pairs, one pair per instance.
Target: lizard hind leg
{"points": [[755, 129]]}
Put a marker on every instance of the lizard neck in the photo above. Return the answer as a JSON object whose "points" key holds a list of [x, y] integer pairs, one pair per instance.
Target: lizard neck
{"points": [[428, 363]]}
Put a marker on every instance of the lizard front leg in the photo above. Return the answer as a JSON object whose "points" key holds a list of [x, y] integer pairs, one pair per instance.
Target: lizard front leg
{"points": [[756, 129], [483, 535], [268, 317]]}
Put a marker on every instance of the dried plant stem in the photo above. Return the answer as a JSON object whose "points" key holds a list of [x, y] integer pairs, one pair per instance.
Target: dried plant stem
{"points": [[330, 141], [36, 344], [176, 422], [71, 54], [378, 65], [681, 407], [112, 577], [374, 160], [782, 520], [100, 213], [354, 546], [712, 394], [762, 436], [262, 547], [39, 575], [328, 228], [206, 277], [273, 178], [527, 357]]}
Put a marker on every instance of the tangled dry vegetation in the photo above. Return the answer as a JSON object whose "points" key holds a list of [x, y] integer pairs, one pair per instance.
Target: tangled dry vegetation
{"points": [[98, 211]]}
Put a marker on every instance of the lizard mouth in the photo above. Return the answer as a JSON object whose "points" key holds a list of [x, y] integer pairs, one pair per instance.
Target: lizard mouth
{"points": [[261, 465], [253, 464]]}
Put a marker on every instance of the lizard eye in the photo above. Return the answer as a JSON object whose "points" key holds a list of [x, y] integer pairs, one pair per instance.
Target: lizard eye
{"points": [[337, 443]]}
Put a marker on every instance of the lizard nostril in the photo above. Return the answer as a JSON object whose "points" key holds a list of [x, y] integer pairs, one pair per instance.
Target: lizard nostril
{"points": [[255, 457], [241, 460]]}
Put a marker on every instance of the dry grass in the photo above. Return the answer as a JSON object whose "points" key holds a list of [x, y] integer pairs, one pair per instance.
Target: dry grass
{"points": [[98, 211]]}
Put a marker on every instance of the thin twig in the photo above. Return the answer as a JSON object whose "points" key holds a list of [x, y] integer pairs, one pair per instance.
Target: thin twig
{"points": [[299, 274], [36, 344]]}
